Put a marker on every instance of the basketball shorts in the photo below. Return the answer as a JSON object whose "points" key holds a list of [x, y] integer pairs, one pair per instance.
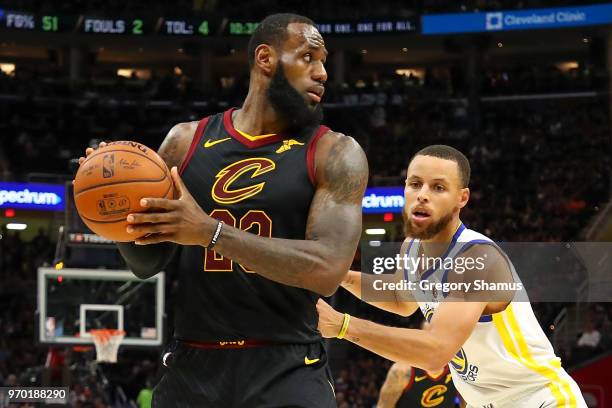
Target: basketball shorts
{"points": [[289, 375]]}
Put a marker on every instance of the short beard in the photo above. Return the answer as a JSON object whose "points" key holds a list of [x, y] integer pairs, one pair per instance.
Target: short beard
{"points": [[291, 105], [429, 232]]}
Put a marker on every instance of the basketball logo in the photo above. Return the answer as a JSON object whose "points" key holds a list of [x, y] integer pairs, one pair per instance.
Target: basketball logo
{"points": [[111, 204], [108, 165]]}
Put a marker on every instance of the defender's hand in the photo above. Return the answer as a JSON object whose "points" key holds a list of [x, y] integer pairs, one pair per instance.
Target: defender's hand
{"points": [[181, 220], [330, 320]]}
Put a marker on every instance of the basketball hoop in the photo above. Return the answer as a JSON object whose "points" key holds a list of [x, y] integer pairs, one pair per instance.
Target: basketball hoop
{"points": [[107, 343]]}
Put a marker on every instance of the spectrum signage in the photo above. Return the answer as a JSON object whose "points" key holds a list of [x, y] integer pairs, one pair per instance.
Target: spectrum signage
{"points": [[383, 200], [507, 20], [32, 196]]}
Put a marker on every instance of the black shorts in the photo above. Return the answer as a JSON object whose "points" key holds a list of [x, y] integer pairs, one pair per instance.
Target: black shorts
{"points": [[288, 375]]}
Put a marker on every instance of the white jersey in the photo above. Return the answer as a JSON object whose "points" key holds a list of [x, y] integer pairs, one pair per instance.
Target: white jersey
{"points": [[507, 357]]}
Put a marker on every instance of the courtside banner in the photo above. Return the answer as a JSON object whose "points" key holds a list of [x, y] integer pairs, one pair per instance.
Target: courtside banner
{"points": [[32, 196], [506, 20], [383, 200]]}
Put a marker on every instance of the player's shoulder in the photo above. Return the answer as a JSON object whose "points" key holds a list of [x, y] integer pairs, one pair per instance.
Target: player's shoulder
{"points": [[183, 130], [175, 146], [338, 156], [401, 368], [338, 140], [477, 246]]}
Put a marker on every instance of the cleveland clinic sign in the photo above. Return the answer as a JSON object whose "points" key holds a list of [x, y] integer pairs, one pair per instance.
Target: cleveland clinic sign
{"points": [[501, 21], [507, 20]]}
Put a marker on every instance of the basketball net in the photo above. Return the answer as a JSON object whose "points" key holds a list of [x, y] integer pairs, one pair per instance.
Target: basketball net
{"points": [[107, 342]]}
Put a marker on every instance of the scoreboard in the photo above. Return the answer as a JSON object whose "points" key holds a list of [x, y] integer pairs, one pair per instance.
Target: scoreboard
{"points": [[32, 22], [185, 27], [340, 28], [136, 26], [181, 27]]}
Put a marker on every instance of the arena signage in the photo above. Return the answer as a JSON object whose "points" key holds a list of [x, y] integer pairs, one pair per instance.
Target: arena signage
{"points": [[506, 20], [383, 200], [32, 196]]}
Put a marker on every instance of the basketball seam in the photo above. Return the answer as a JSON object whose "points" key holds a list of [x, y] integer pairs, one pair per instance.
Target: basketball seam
{"points": [[127, 151], [120, 182], [118, 219]]}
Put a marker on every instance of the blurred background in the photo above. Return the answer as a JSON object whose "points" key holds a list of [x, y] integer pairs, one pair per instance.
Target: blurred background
{"points": [[522, 87]]}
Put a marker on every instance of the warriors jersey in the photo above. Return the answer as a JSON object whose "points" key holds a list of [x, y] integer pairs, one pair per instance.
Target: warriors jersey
{"points": [[507, 356], [426, 391], [263, 185]]}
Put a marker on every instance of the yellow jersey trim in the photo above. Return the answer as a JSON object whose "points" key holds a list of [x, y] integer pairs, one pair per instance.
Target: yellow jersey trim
{"points": [[522, 354], [254, 138]]}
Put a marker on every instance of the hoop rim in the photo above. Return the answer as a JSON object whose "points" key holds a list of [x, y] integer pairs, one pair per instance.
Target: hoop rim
{"points": [[109, 332], [107, 342]]}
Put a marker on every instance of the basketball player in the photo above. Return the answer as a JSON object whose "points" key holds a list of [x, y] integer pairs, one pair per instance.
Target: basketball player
{"points": [[267, 219], [409, 387], [498, 354]]}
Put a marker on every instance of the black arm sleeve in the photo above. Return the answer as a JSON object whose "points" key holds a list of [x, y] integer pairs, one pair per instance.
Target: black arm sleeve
{"points": [[147, 260]]}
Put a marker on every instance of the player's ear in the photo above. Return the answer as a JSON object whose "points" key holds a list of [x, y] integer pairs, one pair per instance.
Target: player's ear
{"points": [[266, 58], [464, 197]]}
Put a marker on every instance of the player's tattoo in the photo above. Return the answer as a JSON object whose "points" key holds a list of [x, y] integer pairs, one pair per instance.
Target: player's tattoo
{"points": [[347, 175], [175, 146]]}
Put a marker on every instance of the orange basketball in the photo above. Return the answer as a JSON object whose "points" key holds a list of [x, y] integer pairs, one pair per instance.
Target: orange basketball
{"points": [[111, 182]]}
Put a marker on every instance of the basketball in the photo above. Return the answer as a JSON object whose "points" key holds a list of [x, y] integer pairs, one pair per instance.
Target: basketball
{"points": [[111, 182]]}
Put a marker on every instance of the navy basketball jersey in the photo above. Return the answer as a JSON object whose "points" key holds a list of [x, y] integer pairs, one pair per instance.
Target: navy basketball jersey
{"points": [[263, 185], [426, 391]]}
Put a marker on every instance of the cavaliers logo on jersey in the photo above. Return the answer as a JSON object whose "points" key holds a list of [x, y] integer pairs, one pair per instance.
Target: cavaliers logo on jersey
{"points": [[222, 191], [434, 396]]}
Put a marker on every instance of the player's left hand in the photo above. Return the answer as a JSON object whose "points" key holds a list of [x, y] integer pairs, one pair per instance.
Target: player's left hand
{"points": [[330, 320], [181, 220]]}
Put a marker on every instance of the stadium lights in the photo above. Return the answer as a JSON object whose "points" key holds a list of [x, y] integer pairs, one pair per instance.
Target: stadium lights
{"points": [[16, 226], [375, 231], [8, 69]]}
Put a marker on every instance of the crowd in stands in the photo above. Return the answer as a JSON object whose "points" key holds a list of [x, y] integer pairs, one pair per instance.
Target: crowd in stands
{"points": [[34, 82]]}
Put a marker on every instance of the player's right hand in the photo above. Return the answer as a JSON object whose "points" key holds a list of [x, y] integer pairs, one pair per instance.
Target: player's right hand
{"points": [[89, 151]]}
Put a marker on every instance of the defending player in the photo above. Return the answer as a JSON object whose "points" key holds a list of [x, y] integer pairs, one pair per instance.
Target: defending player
{"points": [[268, 219], [498, 354], [411, 387]]}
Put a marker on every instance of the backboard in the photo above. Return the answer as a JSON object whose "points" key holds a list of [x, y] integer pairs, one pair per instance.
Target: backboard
{"points": [[71, 302]]}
